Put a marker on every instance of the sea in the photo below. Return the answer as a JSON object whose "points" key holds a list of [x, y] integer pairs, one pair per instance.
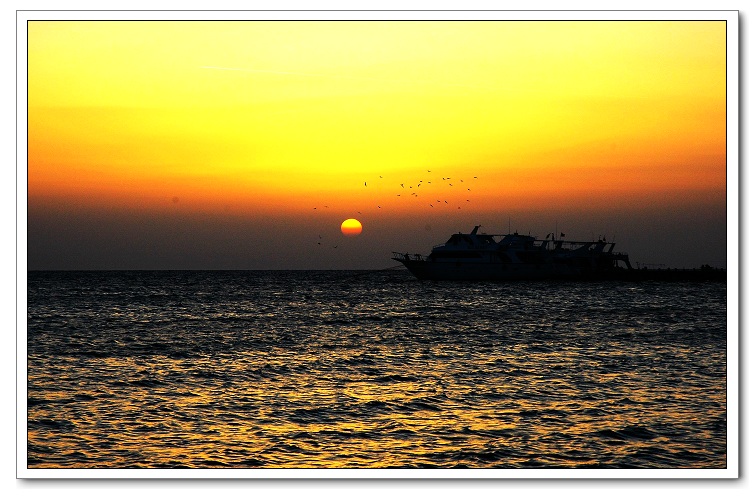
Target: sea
{"points": [[371, 369]]}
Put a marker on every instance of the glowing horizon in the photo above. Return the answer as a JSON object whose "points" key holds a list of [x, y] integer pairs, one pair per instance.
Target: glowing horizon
{"points": [[312, 122]]}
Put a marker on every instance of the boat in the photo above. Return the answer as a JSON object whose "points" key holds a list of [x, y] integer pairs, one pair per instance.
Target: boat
{"points": [[499, 257], [513, 256]]}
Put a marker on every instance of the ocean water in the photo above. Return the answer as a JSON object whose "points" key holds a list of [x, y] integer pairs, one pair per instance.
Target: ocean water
{"points": [[340, 369]]}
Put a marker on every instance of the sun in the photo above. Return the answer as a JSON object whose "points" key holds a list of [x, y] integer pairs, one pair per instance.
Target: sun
{"points": [[351, 227]]}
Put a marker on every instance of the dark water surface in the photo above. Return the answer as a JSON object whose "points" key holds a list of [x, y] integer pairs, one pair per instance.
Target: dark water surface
{"points": [[304, 369]]}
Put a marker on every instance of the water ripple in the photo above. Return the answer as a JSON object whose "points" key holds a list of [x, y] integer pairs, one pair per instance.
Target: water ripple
{"points": [[326, 370]]}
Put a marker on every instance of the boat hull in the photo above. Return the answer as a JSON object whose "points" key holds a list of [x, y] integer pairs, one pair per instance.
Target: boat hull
{"points": [[484, 271], [466, 271]]}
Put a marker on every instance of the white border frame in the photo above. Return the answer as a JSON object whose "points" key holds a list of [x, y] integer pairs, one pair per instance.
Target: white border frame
{"points": [[733, 284]]}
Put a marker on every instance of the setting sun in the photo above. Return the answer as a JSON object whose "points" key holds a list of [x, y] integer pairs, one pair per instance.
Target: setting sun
{"points": [[351, 227]]}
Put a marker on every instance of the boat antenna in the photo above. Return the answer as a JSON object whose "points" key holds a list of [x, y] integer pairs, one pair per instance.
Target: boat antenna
{"points": [[509, 225]]}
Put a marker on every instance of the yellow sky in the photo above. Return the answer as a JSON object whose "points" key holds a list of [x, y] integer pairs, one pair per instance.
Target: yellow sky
{"points": [[278, 115]]}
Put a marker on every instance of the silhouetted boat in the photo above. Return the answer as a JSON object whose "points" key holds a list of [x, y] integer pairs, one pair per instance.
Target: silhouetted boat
{"points": [[477, 256]]}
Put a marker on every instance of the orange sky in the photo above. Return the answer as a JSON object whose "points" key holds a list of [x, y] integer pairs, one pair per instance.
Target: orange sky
{"points": [[280, 118]]}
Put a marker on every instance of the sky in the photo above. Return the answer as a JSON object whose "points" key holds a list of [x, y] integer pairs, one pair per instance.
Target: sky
{"points": [[245, 145]]}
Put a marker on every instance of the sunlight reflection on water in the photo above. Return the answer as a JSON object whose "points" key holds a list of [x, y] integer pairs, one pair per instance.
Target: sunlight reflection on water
{"points": [[323, 370]]}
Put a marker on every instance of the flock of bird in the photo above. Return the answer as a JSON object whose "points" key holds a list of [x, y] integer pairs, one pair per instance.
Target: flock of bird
{"points": [[414, 187], [438, 193]]}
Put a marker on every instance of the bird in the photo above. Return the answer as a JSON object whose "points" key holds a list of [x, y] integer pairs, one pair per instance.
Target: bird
{"points": [[365, 184]]}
